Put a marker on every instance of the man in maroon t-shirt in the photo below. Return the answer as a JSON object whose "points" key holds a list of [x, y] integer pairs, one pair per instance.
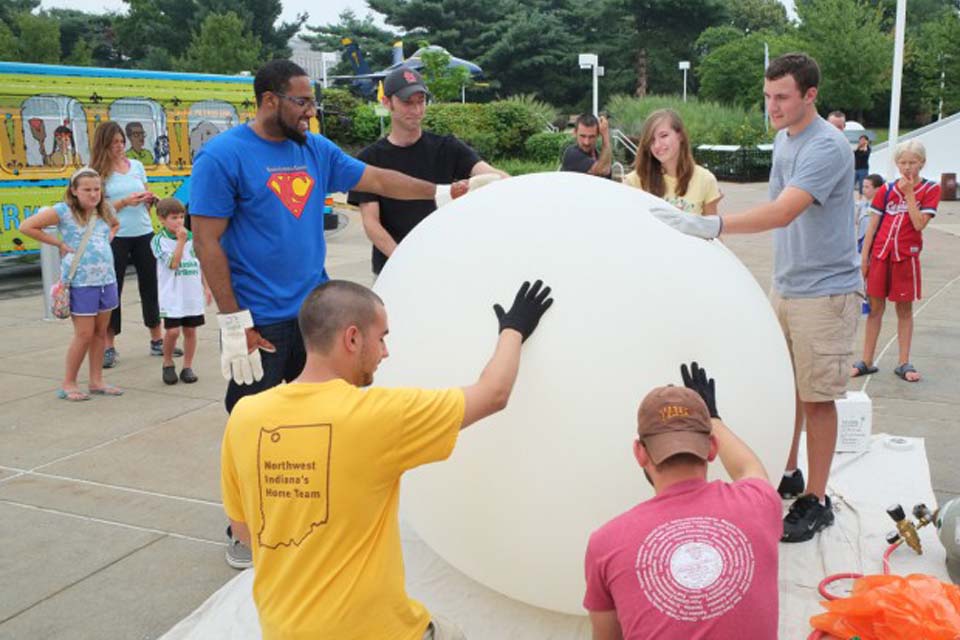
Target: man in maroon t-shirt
{"points": [[699, 560]]}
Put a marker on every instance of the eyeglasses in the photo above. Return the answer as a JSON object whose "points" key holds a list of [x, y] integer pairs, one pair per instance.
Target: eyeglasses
{"points": [[303, 103]]}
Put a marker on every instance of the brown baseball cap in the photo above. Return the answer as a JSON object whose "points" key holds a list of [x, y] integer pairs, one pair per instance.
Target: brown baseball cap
{"points": [[674, 420]]}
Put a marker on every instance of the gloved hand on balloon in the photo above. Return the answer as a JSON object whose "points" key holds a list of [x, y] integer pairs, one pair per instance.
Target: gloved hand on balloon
{"points": [[529, 305], [446, 193], [695, 378], [706, 227]]}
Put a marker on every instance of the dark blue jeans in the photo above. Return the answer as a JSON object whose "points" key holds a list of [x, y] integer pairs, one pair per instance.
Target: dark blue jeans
{"points": [[282, 366]]}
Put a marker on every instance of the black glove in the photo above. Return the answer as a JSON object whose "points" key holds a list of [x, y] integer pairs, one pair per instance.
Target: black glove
{"points": [[696, 379], [528, 307]]}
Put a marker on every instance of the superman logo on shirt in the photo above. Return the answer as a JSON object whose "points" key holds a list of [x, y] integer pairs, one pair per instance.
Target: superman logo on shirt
{"points": [[293, 188]]}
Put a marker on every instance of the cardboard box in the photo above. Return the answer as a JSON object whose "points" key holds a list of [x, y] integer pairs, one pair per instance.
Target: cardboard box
{"points": [[854, 422]]}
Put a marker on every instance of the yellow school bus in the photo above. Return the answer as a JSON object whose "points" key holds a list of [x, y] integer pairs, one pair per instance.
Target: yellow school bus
{"points": [[49, 114]]}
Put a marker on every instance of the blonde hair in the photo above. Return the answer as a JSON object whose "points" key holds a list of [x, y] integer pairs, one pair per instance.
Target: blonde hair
{"points": [[104, 209], [911, 146], [648, 168], [169, 206]]}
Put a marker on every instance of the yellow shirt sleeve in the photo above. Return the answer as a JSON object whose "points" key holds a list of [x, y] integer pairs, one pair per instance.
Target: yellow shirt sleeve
{"points": [[429, 426], [632, 179], [709, 188]]}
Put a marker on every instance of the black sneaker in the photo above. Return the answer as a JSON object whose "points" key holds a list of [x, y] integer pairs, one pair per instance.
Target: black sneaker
{"points": [[791, 486], [806, 517], [188, 376], [170, 375]]}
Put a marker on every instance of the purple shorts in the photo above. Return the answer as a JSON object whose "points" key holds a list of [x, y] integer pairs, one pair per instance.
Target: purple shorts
{"points": [[89, 301]]}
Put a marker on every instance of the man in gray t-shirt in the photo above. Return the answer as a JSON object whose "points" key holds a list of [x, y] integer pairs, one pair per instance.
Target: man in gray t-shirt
{"points": [[816, 277]]}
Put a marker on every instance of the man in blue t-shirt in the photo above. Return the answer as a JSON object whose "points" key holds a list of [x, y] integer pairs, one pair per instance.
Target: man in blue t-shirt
{"points": [[256, 203], [816, 274]]}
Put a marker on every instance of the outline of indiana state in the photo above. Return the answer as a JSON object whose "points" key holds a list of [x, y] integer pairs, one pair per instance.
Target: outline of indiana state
{"points": [[293, 476]]}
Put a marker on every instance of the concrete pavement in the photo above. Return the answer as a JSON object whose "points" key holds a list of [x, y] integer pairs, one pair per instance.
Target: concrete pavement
{"points": [[110, 521]]}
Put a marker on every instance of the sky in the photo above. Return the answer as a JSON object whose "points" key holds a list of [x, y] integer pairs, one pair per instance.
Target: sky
{"points": [[320, 12], [325, 12]]}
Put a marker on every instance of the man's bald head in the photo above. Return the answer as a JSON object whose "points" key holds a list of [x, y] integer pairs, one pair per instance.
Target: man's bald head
{"points": [[333, 307]]}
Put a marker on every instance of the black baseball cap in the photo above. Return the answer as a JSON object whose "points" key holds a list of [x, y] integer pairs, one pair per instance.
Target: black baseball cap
{"points": [[403, 82]]}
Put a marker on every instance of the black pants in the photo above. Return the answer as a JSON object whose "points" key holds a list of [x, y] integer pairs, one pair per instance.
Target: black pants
{"points": [[136, 250]]}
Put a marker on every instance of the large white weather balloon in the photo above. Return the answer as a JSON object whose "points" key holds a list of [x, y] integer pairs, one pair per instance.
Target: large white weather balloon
{"points": [[515, 504]]}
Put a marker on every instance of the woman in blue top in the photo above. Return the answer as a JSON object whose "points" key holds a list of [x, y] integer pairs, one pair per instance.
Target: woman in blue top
{"points": [[125, 187], [93, 290]]}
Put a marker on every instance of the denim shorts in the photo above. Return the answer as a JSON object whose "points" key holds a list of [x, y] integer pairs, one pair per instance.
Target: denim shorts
{"points": [[89, 301]]}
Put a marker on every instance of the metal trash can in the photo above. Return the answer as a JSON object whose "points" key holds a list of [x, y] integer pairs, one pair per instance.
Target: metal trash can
{"points": [[948, 186]]}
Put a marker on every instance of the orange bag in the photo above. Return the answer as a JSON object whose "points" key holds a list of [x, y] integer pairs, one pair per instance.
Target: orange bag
{"points": [[915, 607]]}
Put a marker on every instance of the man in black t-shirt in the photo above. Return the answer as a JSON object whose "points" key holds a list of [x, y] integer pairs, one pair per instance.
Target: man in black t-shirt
{"points": [[418, 153], [583, 157]]}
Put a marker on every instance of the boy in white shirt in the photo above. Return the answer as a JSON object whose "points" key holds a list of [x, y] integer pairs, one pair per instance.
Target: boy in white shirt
{"points": [[182, 289]]}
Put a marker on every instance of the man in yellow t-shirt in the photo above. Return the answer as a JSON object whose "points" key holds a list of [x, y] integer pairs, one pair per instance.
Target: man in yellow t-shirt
{"points": [[310, 471]]}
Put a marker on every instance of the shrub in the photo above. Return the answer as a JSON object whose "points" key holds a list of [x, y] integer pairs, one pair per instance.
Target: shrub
{"points": [[338, 108], [512, 123], [365, 127], [518, 167], [547, 147], [706, 122], [545, 113]]}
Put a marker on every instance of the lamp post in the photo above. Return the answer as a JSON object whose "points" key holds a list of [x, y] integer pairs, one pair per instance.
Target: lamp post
{"points": [[897, 81], [590, 61], [326, 57], [684, 66]]}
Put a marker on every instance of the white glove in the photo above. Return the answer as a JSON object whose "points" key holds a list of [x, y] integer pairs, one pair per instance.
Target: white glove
{"points": [[483, 180], [235, 363], [706, 227], [443, 195]]}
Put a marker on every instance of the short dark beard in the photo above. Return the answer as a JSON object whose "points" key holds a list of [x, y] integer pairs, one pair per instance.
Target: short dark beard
{"points": [[290, 133]]}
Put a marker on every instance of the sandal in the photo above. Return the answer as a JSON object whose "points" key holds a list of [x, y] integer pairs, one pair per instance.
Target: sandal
{"points": [[904, 369], [863, 369], [107, 390], [72, 396]]}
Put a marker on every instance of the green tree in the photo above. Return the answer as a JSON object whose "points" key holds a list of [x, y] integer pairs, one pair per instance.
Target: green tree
{"points": [[38, 38], [10, 11], [936, 54], [81, 55], [8, 43], [375, 43], [846, 39], [733, 73], [713, 38], [170, 25], [444, 82], [666, 31], [223, 45], [94, 31], [758, 15]]}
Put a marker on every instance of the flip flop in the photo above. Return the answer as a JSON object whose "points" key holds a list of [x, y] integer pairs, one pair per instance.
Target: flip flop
{"points": [[72, 396], [863, 369], [108, 390], [903, 370]]}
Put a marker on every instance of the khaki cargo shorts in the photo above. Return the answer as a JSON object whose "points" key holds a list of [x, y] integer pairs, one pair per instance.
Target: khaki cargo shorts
{"points": [[819, 333]]}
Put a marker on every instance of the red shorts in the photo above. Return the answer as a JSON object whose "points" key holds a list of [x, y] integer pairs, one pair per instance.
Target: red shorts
{"points": [[896, 281]]}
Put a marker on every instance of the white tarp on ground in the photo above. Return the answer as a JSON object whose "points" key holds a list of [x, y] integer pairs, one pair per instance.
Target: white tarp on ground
{"points": [[862, 486]]}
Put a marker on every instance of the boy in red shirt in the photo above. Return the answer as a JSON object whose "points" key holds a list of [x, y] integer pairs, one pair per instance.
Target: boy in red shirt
{"points": [[891, 254]]}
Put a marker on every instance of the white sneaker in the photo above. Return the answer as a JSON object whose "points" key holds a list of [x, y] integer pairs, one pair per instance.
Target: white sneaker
{"points": [[238, 554]]}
